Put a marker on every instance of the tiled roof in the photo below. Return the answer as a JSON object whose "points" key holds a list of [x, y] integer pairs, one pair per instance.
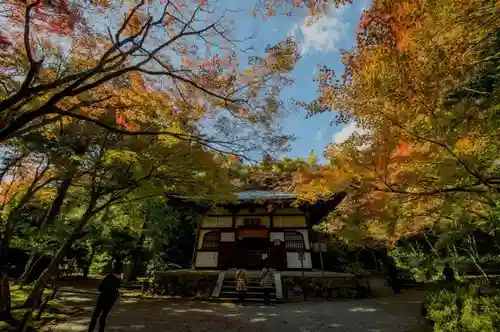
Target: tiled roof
{"points": [[260, 194]]}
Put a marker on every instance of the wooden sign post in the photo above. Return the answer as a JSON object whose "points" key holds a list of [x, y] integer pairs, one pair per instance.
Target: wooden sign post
{"points": [[321, 248], [302, 257]]}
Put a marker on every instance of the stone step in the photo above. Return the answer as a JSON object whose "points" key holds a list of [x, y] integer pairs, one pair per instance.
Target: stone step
{"points": [[248, 295], [248, 300], [250, 282], [248, 292], [249, 288]]}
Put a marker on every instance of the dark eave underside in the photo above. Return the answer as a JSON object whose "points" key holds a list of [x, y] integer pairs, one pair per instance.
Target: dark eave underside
{"points": [[317, 211]]}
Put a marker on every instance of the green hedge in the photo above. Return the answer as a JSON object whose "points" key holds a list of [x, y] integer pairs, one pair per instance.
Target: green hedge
{"points": [[463, 308]]}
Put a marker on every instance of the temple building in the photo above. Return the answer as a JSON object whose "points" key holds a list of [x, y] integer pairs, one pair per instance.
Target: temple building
{"points": [[261, 226]]}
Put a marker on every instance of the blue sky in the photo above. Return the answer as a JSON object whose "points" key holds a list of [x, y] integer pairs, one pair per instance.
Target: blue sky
{"points": [[319, 44]]}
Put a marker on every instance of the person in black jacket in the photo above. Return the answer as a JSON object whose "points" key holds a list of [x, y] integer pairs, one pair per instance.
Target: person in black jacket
{"points": [[448, 272], [108, 294], [393, 275]]}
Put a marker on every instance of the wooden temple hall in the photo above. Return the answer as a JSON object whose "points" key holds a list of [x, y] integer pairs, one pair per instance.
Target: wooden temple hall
{"points": [[261, 226]]}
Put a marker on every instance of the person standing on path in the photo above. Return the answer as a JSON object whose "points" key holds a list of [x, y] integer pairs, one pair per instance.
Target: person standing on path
{"points": [[108, 294], [448, 272], [393, 275], [241, 284], [266, 282]]}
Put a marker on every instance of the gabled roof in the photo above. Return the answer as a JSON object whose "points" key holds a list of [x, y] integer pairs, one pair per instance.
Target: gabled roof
{"points": [[264, 195], [317, 211]]}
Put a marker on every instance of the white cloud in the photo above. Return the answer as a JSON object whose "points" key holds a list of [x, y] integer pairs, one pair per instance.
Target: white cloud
{"points": [[346, 132], [324, 34]]}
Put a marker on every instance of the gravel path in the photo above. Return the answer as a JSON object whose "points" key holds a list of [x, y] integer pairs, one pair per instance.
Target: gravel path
{"points": [[393, 313]]}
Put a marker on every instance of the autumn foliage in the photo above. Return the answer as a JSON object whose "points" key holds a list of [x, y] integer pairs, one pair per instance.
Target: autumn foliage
{"points": [[153, 69], [422, 87]]}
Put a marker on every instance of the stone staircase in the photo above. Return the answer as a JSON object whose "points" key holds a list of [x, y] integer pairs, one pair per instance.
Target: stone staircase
{"points": [[255, 293]]}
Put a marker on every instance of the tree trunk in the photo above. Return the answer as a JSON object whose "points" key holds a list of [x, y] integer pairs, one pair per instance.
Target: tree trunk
{"points": [[5, 304], [51, 214], [86, 269], [28, 269], [137, 259], [5, 299], [34, 296], [46, 301]]}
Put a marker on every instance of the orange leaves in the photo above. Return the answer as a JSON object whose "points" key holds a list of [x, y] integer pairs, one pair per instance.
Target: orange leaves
{"points": [[234, 158], [243, 112], [135, 23], [464, 144], [103, 3], [402, 150], [186, 62]]}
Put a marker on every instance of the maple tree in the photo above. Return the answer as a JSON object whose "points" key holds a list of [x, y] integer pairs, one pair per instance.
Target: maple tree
{"points": [[314, 8], [68, 157], [150, 69], [80, 171], [422, 87]]}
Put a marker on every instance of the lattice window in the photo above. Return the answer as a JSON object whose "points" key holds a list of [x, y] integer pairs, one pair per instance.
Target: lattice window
{"points": [[211, 240], [294, 240]]}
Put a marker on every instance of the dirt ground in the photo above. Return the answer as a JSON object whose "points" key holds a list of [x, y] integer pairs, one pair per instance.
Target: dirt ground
{"points": [[386, 314]]}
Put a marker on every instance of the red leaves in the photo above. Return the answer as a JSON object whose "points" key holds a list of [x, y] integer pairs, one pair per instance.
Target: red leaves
{"points": [[4, 42], [120, 120], [202, 2], [54, 16]]}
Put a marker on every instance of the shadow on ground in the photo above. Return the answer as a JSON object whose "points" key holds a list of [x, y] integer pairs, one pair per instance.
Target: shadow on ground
{"points": [[389, 314]]}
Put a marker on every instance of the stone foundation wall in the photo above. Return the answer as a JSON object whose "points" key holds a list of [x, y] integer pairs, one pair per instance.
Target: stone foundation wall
{"points": [[329, 288], [184, 285]]}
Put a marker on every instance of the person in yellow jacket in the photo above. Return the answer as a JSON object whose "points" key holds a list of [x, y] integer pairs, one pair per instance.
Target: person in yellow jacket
{"points": [[241, 284]]}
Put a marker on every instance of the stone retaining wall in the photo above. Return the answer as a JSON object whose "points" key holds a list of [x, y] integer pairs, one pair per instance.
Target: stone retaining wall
{"points": [[329, 288], [185, 285]]}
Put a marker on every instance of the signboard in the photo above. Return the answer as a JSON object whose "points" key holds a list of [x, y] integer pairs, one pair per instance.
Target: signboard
{"points": [[319, 247]]}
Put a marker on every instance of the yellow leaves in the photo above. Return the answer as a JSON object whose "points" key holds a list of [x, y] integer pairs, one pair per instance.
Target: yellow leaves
{"points": [[464, 144], [113, 156], [103, 3], [48, 75]]}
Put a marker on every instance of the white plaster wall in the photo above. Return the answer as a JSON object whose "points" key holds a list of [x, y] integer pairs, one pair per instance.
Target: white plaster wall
{"points": [[206, 259], [293, 261], [277, 235], [227, 237], [289, 221]]}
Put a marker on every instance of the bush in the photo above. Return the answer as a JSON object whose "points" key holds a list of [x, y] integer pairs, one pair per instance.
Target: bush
{"points": [[463, 309], [101, 264]]}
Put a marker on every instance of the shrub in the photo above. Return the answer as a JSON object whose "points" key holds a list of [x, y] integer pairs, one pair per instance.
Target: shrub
{"points": [[463, 309]]}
